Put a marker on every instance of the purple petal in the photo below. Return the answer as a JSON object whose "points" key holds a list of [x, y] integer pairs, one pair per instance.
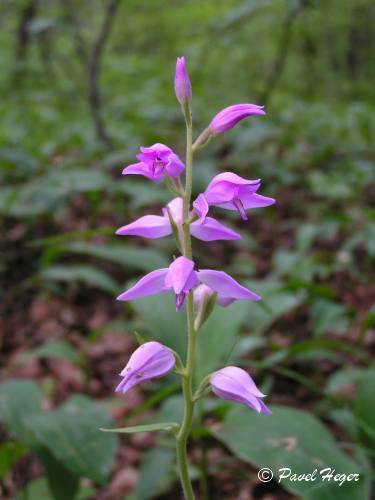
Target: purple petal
{"points": [[149, 361], [175, 209], [237, 377], [256, 201], [151, 284], [200, 292], [138, 169], [234, 384], [212, 230], [250, 401], [182, 85], [149, 226], [225, 285], [226, 186], [233, 179], [228, 117], [201, 207], [181, 275], [174, 166]]}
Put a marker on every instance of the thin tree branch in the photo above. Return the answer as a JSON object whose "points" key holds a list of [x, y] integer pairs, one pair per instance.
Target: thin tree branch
{"points": [[283, 45], [92, 59], [94, 67]]}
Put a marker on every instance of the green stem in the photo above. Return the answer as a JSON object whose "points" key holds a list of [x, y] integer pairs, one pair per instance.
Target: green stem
{"points": [[183, 433]]}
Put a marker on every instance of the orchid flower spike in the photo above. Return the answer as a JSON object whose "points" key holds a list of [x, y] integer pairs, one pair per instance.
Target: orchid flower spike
{"points": [[230, 191], [150, 360], [234, 384], [155, 162], [156, 226], [181, 277], [182, 85], [228, 117]]}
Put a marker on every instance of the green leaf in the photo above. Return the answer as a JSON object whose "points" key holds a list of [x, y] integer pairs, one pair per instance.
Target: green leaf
{"points": [[88, 274], [293, 439], [36, 490], [365, 406], [131, 257], [71, 434], [62, 483], [162, 322], [19, 401], [329, 316], [163, 426], [275, 303], [10, 451], [52, 349], [157, 473], [218, 336], [20, 404]]}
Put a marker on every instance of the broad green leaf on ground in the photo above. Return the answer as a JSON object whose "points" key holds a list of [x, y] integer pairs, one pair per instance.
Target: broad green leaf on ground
{"points": [[36, 490], [71, 433], [10, 451], [19, 401], [163, 426], [162, 322], [52, 349], [20, 404], [62, 482], [131, 257], [293, 439], [329, 316], [157, 472], [218, 337], [275, 303], [365, 406], [81, 273]]}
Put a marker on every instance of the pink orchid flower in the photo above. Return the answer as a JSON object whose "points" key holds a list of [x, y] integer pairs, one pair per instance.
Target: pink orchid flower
{"points": [[230, 191], [150, 360], [234, 384], [156, 162], [156, 226], [228, 117], [181, 277]]}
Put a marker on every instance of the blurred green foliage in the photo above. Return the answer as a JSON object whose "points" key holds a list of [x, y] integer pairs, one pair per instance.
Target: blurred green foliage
{"points": [[310, 256]]}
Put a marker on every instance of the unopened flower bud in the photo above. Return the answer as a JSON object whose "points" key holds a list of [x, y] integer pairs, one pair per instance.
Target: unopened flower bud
{"points": [[182, 85], [234, 384], [150, 360]]}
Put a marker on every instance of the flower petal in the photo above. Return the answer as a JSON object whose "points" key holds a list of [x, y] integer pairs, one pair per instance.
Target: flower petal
{"points": [[235, 375], [233, 179], [149, 226], [201, 207], [174, 166], [151, 284], [181, 275], [225, 285], [138, 169], [175, 209], [212, 230], [256, 201], [149, 361], [230, 116]]}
